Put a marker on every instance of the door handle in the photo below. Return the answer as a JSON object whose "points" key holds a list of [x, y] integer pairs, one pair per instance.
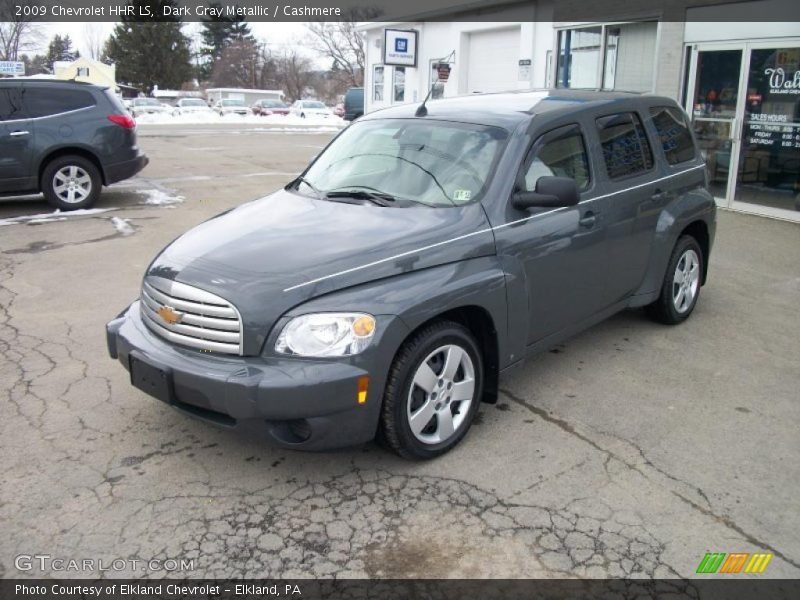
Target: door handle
{"points": [[587, 220], [18, 133]]}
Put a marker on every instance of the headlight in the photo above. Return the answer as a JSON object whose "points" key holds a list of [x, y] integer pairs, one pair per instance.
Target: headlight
{"points": [[326, 334]]}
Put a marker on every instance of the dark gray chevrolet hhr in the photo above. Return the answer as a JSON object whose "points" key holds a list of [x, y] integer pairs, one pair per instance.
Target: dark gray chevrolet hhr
{"points": [[421, 254]]}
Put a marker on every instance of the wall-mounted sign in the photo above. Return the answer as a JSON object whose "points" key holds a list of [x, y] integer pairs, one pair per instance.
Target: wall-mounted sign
{"points": [[12, 67], [400, 47], [524, 72]]}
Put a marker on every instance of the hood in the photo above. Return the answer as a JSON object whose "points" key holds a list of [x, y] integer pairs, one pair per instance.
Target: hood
{"points": [[272, 254]]}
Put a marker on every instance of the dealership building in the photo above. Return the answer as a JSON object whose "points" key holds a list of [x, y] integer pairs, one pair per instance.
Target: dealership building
{"points": [[737, 76]]}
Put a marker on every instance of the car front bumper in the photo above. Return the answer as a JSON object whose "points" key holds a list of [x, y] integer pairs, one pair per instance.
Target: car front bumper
{"points": [[295, 403]]}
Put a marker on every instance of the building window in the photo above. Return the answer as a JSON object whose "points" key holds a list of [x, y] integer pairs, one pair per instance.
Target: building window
{"points": [[377, 83], [612, 57], [399, 84]]}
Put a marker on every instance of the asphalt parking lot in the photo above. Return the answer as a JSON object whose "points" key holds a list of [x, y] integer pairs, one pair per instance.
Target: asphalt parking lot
{"points": [[631, 450]]}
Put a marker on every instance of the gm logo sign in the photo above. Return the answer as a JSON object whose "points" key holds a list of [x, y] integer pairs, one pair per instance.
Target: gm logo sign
{"points": [[736, 562], [400, 45]]}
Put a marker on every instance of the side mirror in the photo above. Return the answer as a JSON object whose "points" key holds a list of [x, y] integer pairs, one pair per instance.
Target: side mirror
{"points": [[551, 192]]}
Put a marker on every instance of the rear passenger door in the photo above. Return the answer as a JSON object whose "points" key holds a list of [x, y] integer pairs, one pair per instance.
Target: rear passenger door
{"points": [[631, 201], [16, 142]]}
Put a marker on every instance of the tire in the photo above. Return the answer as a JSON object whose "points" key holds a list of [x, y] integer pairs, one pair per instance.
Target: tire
{"points": [[421, 424], [71, 182], [682, 283]]}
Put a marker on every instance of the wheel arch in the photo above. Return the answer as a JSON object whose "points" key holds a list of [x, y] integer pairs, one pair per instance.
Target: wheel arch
{"points": [[481, 325], [68, 151]]}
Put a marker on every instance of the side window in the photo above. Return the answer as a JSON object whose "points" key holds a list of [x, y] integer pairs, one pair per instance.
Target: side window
{"points": [[626, 151], [10, 103], [40, 102], [559, 153], [673, 133]]}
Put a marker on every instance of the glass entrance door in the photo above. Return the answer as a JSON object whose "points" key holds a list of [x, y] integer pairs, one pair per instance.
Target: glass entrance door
{"points": [[768, 176], [713, 100], [744, 100]]}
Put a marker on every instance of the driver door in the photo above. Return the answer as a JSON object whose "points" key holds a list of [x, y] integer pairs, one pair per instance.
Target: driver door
{"points": [[559, 252]]}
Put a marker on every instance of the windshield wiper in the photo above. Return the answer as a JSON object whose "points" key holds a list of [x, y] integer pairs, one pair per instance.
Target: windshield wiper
{"points": [[378, 198], [296, 183], [373, 195]]}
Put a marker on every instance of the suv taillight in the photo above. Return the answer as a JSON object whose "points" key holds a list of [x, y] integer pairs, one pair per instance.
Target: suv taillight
{"points": [[125, 121]]}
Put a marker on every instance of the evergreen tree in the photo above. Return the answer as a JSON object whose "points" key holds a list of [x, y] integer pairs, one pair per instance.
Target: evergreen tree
{"points": [[148, 53], [60, 49], [217, 34]]}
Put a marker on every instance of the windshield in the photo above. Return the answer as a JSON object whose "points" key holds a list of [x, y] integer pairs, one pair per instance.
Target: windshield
{"points": [[313, 105], [193, 103], [439, 163], [274, 104], [146, 102], [233, 103]]}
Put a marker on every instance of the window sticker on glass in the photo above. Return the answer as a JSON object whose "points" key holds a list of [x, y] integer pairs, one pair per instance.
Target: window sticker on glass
{"points": [[462, 195]]}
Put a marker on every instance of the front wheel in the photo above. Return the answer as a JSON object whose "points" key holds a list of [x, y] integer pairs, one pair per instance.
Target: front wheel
{"points": [[433, 391], [71, 182], [682, 281]]}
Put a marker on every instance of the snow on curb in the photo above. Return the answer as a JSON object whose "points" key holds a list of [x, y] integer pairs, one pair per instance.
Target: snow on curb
{"points": [[57, 215], [123, 226], [280, 122], [159, 197]]}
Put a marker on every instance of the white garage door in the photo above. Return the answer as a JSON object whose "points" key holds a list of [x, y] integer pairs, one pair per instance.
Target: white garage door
{"points": [[493, 60]]}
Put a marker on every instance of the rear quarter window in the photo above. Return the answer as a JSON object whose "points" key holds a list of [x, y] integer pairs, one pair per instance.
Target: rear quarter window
{"points": [[10, 103], [673, 133], [41, 102], [626, 151]]}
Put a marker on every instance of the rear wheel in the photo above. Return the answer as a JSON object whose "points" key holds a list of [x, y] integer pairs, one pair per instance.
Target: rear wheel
{"points": [[681, 287], [71, 182], [433, 392]]}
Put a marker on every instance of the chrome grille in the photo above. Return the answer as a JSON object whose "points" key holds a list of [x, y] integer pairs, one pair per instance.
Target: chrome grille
{"points": [[204, 321]]}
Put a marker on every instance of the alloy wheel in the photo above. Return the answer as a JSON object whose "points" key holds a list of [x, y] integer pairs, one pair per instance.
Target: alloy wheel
{"points": [[685, 281], [441, 393], [72, 184]]}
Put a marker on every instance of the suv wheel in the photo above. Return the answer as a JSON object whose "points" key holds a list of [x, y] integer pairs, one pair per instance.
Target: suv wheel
{"points": [[681, 286], [433, 392], [71, 182]]}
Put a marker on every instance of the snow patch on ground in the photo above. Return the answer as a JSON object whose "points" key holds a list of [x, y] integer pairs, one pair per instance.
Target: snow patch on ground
{"points": [[56, 215], [274, 122], [123, 226], [159, 197]]}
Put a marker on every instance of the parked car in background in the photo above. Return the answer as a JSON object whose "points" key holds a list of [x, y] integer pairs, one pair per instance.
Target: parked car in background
{"points": [[353, 104], [147, 106], [338, 110], [440, 248], [270, 107], [230, 106], [64, 139], [311, 108], [189, 106]]}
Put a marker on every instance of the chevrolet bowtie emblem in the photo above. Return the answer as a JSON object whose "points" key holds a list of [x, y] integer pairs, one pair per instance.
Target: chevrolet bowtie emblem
{"points": [[169, 314]]}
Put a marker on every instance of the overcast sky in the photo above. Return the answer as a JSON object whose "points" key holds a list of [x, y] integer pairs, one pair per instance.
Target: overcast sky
{"points": [[277, 35]]}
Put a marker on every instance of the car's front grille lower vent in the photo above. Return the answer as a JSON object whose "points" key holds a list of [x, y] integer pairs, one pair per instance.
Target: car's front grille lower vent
{"points": [[190, 316]]}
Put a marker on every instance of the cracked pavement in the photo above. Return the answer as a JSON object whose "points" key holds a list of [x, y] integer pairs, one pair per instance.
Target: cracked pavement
{"points": [[631, 450]]}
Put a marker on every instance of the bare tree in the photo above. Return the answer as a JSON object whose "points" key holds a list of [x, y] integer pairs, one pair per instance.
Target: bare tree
{"points": [[293, 73], [95, 40], [17, 34], [343, 43]]}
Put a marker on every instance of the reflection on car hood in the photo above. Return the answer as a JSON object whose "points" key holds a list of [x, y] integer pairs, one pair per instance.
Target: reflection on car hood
{"points": [[274, 253]]}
